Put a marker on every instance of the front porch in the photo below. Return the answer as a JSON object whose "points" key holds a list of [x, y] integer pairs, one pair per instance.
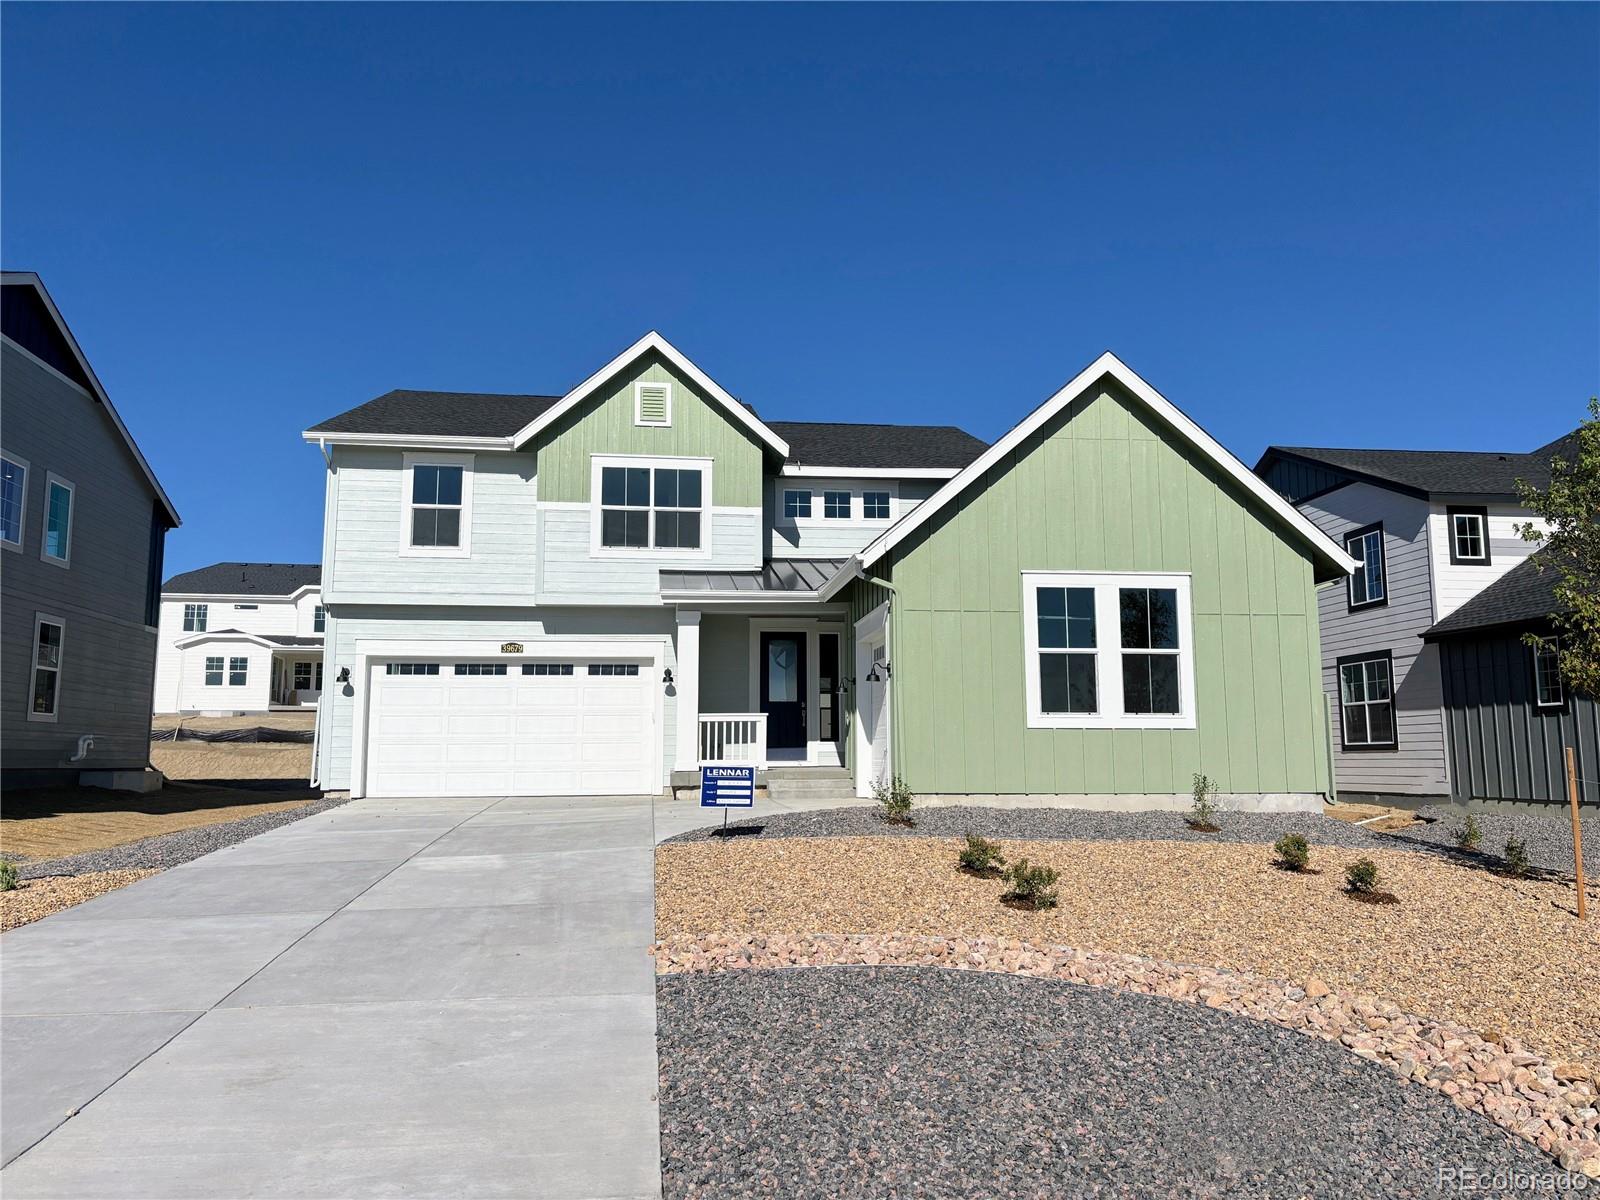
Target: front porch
{"points": [[296, 677]]}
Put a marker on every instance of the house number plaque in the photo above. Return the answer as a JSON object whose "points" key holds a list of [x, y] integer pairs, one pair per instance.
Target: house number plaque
{"points": [[510, 647]]}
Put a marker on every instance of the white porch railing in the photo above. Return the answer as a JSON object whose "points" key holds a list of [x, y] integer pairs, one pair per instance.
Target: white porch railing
{"points": [[733, 739]]}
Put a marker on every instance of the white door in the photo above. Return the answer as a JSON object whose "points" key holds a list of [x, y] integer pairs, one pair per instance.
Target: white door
{"points": [[872, 766], [574, 727]]}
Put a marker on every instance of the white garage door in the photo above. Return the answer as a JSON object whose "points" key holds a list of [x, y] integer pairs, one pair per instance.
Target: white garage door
{"points": [[574, 727]]}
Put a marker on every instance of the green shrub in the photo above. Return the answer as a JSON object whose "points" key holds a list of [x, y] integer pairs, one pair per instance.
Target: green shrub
{"points": [[8, 875], [981, 856], [1469, 835], [1516, 857], [1031, 885], [894, 801], [1203, 816], [1293, 851], [1361, 876]]}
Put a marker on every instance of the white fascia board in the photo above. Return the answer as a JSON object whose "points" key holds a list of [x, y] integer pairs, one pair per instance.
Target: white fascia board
{"points": [[30, 279], [240, 598], [709, 600], [408, 441], [223, 635], [1109, 364], [652, 341], [849, 571], [870, 472]]}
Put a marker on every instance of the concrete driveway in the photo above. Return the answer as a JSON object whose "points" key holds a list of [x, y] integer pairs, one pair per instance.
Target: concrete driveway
{"points": [[397, 998]]}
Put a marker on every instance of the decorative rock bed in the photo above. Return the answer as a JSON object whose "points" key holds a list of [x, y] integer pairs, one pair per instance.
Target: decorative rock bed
{"points": [[1552, 1105]]}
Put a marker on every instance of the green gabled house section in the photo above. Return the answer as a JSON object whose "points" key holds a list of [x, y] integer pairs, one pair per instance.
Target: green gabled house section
{"points": [[1105, 476]]}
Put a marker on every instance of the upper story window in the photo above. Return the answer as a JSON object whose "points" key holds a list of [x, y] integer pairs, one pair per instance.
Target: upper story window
{"points": [[319, 619], [13, 500], [438, 505], [651, 504], [1469, 535], [58, 499], [1369, 583], [1547, 674], [836, 506], [796, 504], [194, 617], [247, 607], [875, 506], [1108, 651], [652, 404], [1366, 701]]}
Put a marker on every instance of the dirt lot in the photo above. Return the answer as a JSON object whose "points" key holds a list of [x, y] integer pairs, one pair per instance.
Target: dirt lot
{"points": [[232, 760], [277, 720], [1375, 817]]}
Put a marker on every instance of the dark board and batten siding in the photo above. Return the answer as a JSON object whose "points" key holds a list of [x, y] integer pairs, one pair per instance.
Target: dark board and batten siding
{"points": [[1502, 745], [1295, 480]]}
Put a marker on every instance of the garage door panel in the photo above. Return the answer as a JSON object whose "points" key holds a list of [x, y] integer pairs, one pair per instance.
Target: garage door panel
{"points": [[398, 696], [481, 725], [409, 724]]}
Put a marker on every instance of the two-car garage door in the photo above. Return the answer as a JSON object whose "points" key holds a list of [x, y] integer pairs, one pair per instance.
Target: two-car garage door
{"points": [[532, 728]]}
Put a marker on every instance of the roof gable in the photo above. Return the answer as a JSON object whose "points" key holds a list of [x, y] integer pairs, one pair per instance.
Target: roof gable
{"points": [[1431, 472]]}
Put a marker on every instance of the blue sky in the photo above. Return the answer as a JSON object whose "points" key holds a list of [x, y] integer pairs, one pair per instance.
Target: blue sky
{"points": [[1357, 225]]}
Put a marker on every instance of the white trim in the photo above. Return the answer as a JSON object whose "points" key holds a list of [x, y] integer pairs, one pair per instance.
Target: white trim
{"points": [[687, 684], [707, 598], [639, 387], [413, 441], [244, 597], [44, 618], [872, 644], [856, 488], [1106, 364], [30, 279], [810, 628], [51, 479], [237, 635], [1554, 646], [1108, 650], [598, 462], [794, 469], [22, 510], [651, 341], [424, 459]]}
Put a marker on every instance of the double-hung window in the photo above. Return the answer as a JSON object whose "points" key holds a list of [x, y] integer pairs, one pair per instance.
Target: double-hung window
{"points": [[836, 506], [44, 696], [796, 504], [651, 505], [1547, 674], [214, 665], [58, 500], [1369, 584], [194, 617], [238, 672], [319, 619], [13, 500], [302, 677], [1469, 535], [438, 505], [1111, 651], [1366, 701]]}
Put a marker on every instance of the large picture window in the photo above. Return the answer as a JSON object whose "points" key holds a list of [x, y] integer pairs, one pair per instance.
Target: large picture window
{"points": [[651, 506], [1108, 651], [438, 505], [1366, 702], [1369, 584]]}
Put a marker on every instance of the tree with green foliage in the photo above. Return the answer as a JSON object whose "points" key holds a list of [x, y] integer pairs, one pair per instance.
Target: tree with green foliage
{"points": [[1570, 546]]}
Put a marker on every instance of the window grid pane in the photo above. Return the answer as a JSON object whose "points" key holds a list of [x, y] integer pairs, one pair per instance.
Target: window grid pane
{"points": [[875, 506], [796, 504], [836, 506], [1366, 696]]}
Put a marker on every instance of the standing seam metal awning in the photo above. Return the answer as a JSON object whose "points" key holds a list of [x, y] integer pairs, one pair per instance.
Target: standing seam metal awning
{"points": [[778, 575]]}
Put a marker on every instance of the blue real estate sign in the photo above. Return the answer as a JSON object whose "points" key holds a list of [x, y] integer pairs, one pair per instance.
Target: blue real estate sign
{"points": [[727, 787]]}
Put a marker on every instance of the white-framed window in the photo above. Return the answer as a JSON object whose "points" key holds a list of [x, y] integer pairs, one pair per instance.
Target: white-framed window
{"points": [[796, 504], [437, 520], [195, 617], [238, 672], [1469, 534], [302, 677], [1108, 650], [650, 505], [319, 619], [59, 497], [1366, 702], [214, 670], [652, 403], [44, 691], [1370, 583], [1547, 691], [246, 607], [835, 506], [876, 506], [13, 500]]}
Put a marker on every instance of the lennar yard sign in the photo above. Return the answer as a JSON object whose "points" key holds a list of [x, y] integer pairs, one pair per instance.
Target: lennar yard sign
{"points": [[727, 787]]}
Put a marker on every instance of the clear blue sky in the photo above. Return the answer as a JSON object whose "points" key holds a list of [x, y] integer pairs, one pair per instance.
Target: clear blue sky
{"points": [[1360, 225]]}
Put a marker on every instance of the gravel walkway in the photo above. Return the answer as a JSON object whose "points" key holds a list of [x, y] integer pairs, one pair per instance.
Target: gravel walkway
{"points": [[1549, 840], [170, 849], [898, 1082]]}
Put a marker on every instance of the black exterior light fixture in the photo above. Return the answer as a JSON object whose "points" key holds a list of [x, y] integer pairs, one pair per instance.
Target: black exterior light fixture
{"points": [[344, 675], [874, 677], [667, 678]]}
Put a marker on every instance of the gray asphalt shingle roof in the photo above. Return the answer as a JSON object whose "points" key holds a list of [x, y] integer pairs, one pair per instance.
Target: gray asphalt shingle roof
{"points": [[830, 444], [1443, 472], [241, 578], [441, 414], [777, 575], [1523, 595]]}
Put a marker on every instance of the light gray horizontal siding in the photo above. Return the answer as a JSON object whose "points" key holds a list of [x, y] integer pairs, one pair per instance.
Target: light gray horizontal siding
{"points": [[570, 575], [832, 539]]}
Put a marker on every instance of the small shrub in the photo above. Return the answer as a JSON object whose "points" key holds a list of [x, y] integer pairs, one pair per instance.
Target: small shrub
{"points": [[1516, 857], [1293, 851], [1361, 877], [894, 801], [8, 876], [1203, 816], [981, 857], [1469, 835], [1031, 886]]}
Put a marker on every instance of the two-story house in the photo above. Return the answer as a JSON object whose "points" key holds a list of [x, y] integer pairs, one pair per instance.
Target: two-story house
{"points": [[1429, 530], [241, 638], [588, 593], [83, 522]]}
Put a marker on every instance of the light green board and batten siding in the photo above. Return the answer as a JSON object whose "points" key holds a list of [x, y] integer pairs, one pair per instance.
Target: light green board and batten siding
{"points": [[604, 424], [1102, 487]]}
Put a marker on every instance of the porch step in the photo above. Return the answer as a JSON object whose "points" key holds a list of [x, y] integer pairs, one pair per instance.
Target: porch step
{"points": [[807, 773], [812, 787]]}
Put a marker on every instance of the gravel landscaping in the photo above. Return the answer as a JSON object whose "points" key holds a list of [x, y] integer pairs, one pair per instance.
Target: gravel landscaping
{"points": [[926, 1082], [34, 899]]}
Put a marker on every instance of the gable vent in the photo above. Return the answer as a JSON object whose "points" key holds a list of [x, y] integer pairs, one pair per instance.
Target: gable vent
{"points": [[652, 404]]}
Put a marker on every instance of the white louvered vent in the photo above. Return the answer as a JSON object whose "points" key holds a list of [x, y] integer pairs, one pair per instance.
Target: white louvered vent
{"points": [[652, 404]]}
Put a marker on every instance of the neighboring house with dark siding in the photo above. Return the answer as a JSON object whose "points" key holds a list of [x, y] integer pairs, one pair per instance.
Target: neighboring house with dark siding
{"points": [[1508, 714], [83, 521], [1431, 529]]}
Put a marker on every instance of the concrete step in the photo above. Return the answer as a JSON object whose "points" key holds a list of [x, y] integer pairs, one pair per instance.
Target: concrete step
{"points": [[818, 789], [807, 773]]}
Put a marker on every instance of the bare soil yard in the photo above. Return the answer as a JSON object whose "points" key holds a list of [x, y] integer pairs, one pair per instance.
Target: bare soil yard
{"points": [[1493, 954], [232, 760], [276, 720]]}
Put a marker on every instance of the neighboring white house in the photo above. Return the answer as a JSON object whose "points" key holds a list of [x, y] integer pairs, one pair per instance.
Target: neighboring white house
{"points": [[241, 638]]}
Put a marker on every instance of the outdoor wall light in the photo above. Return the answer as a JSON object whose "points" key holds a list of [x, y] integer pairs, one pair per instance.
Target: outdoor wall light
{"points": [[874, 677], [667, 678], [344, 675]]}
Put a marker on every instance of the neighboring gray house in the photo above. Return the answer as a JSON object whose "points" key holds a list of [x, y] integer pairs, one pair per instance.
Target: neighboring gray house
{"points": [[1508, 715], [1431, 529], [82, 524]]}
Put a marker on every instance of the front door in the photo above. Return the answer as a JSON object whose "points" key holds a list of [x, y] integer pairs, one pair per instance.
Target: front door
{"points": [[783, 689]]}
